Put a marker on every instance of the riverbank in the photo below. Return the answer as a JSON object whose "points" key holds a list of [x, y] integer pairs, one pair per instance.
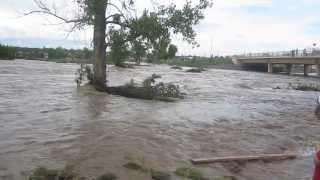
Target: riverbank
{"points": [[49, 122]]}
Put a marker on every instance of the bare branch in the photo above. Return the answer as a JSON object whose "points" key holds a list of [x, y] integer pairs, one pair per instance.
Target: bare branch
{"points": [[43, 9]]}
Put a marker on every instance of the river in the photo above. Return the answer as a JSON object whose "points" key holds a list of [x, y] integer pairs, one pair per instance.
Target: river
{"points": [[45, 120]]}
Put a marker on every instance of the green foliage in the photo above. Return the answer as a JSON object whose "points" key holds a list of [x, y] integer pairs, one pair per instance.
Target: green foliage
{"points": [[305, 87], [154, 27], [195, 70], [108, 176], [43, 173], [161, 89], [138, 50], [149, 90], [7, 52], [182, 20], [189, 173], [159, 175], [84, 73], [148, 82], [118, 46], [176, 67], [172, 51], [54, 53]]}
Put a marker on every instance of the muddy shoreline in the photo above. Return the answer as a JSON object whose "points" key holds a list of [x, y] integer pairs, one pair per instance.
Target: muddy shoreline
{"points": [[46, 121]]}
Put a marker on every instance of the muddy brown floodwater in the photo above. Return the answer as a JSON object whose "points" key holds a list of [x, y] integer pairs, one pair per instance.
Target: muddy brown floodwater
{"points": [[45, 120]]}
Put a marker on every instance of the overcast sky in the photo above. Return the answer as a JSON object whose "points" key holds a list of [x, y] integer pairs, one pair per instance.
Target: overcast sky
{"points": [[230, 27]]}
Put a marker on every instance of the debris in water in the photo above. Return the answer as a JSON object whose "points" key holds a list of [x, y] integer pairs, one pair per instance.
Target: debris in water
{"points": [[158, 175], [108, 176], [133, 166]]}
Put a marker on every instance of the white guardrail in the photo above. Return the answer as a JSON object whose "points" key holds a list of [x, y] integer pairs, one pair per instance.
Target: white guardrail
{"points": [[292, 53]]}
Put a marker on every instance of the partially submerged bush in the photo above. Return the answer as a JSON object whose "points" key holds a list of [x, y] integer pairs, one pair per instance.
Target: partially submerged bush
{"points": [[148, 82], [159, 175], [107, 176], [42, 173], [125, 65], [176, 67], [148, 90], [84, 73], [189, 173], [305, 87], [196, 70]]}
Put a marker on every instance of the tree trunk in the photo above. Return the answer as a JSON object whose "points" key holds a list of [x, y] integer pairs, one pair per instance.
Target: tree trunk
{"points": [[99, 65]]}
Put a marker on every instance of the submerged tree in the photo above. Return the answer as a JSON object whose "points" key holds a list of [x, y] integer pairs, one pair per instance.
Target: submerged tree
{"points": [[101, 14]]}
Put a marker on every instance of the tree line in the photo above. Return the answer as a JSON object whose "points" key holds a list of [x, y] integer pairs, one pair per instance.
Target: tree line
{"points": [[7, 52]]}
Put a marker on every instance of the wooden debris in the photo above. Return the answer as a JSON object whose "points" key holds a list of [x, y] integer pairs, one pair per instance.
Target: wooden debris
{"points": [[244, 158]]}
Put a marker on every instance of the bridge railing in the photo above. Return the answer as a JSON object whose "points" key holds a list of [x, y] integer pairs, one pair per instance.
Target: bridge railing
{"points": [[292, 53]]}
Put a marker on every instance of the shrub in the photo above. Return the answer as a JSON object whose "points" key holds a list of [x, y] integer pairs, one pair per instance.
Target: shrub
{"points": [[176, 67], [305, 87], [84, 73], [190, 173], [107, 176], [148, 90], [196, 70], [158, 175], [42, 173]]}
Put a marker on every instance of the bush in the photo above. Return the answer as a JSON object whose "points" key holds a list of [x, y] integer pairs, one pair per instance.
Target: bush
{"points": [[108, 176], [148, 90], [43, 173], [84, 73], [190, 173], [7, 52], [305, 87], [196, 70], [176, 67], [158, 175]]}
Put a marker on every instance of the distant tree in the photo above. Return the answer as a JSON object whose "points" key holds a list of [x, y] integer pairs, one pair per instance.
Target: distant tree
{"points": [[172, 51], [138, 50], [87, 54], [118, 46], [7, 52]]}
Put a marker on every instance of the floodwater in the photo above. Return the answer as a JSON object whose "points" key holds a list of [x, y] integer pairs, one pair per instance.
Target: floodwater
{"points": [[45, 120]]}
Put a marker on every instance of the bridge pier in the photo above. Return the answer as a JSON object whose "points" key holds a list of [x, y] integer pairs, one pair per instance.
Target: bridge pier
{"points": [[270, 68], [306, 69]]}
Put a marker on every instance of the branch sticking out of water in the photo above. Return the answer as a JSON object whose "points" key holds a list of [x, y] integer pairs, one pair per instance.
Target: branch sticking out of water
{"points": [[149, 90]]}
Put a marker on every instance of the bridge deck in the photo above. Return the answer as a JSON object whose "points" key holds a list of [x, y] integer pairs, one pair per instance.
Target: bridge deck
{"points": [[308, 60]]}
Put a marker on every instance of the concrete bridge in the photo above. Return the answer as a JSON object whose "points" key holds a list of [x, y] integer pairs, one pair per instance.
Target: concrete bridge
{"points": [[288, 58]]}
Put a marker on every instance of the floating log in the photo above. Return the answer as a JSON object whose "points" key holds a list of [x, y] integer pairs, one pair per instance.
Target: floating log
{"points": [[244, 158]]}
